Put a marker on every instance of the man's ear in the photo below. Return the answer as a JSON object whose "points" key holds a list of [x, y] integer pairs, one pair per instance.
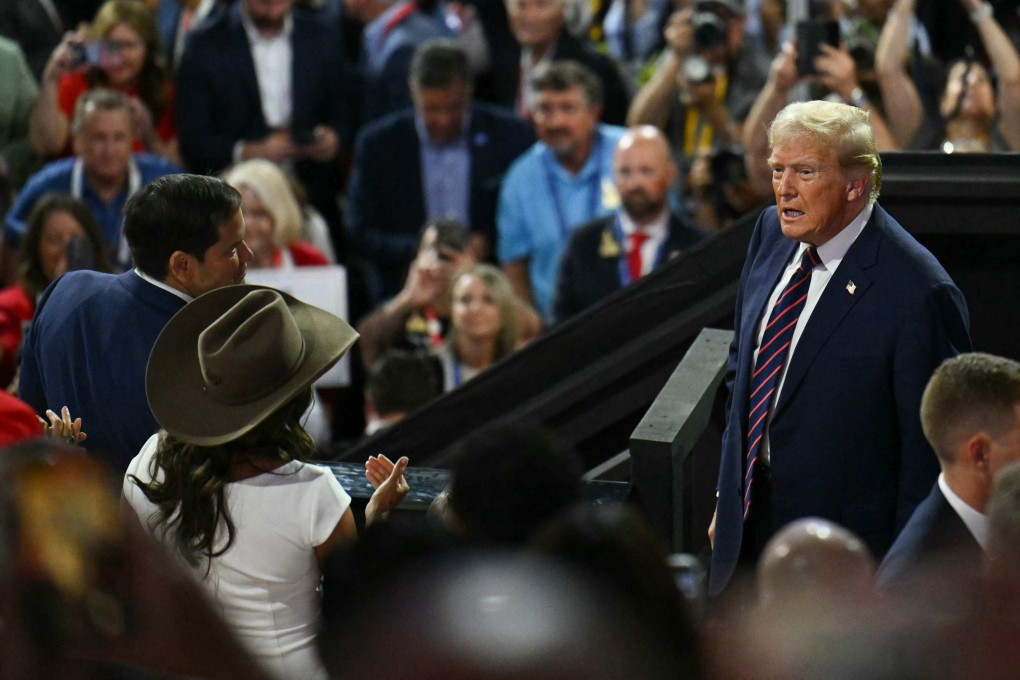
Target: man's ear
{"points": [[856, 187], [181, 266], [975, 449]]}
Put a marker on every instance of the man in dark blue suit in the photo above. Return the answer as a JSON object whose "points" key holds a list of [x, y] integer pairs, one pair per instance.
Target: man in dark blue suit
{"points": [[262, 79], [970, 413], [443, 159], [92, 333], [841, 318], [610, 252]]}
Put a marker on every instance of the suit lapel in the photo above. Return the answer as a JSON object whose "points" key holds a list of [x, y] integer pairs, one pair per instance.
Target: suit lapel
{"points": [[411, 165], [848, 286]]}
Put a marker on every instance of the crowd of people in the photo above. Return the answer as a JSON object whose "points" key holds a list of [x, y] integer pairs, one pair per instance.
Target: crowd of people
{"points": [[483, 172]]}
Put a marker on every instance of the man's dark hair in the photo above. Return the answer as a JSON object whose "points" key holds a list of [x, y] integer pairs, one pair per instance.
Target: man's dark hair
{"points": [[176, 212], [563, 75], [438, 64], [508, 481]]}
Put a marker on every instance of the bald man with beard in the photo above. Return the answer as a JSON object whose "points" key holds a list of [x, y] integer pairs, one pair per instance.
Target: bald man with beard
{"points": [[611, 252]]}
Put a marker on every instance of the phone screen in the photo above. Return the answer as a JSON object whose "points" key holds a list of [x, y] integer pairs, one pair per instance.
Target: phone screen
{"points": [[810, 35]]}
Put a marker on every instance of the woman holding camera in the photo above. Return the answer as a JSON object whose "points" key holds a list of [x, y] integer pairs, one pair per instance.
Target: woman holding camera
{"points": [[120, 51]]}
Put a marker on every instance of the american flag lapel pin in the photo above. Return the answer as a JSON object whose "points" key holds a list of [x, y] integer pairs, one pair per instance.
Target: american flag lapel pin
{"points": [[851, 287]]}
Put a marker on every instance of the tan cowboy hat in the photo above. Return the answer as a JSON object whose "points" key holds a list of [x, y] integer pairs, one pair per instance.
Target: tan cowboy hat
{"points": [[231, 357]]}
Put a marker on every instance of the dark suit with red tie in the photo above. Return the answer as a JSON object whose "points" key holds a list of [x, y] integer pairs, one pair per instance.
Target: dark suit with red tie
{"points": [[845, 433]]}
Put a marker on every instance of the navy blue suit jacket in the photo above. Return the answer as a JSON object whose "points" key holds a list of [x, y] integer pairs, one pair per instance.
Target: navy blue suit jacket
{"points": [[845, 436], [585, 276], [935, 532], [386, 207], [87, 348], [218, 102]]}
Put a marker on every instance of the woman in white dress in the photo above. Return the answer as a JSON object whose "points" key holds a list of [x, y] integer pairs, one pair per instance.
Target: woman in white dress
{"points": [[223, 484]]}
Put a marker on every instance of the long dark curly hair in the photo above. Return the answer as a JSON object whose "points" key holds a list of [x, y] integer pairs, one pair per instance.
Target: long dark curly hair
{"points": [[190, 492]]}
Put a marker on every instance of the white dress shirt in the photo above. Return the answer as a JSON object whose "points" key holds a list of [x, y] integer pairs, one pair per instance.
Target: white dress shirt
{"points": [[273, 58], [656, 232], [976, 522]]}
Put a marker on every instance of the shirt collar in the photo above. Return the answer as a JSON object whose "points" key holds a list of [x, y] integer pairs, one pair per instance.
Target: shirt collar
{"points": [[832, 252], [976, 522], [655, 230], [425, 140], [253, 33], [159, 284]]}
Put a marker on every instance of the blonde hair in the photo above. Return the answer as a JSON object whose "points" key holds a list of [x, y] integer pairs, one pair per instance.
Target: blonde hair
{"points": [[840, 126], [273, 189], [498, 285]]}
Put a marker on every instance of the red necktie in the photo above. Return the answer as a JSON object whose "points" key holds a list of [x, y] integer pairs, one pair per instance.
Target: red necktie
{"points": [[637, 239], [768, 367]]}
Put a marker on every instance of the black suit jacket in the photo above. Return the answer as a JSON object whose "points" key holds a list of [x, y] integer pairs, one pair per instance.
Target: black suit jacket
{"points": [[505, 77], [218, 102], [586, 276], [935, 532], [386, 207]]}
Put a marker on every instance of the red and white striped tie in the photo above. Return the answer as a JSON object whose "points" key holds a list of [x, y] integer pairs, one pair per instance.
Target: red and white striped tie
{"points": [[775, 346]]}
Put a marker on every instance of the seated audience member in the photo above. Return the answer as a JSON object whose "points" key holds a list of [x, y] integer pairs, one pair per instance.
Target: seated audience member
{"points": [[272, 217], [508, 481], [104, 174], [92, 332], [813, 562], [399, 383], [817, 616], [266, 80], [971, 115], [63, 549], [615, 547], [836, 72], [970, 412], [562, 181], [606, 254], [539, 27], [417, 320], [224, 483], [128, 60], [485, 324], [418, 317], [62, 236], [706, 80], [454, 152], [18, 92]]}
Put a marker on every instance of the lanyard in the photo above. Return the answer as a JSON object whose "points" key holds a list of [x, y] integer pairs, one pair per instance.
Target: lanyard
{"points": [[594, 195], [621, 261]]}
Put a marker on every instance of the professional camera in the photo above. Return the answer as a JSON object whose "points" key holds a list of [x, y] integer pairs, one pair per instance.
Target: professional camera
{"points": [[709, 30]]}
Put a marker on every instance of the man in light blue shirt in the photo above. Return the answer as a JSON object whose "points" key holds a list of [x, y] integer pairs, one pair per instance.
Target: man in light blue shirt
{"points": [[562, 181]]}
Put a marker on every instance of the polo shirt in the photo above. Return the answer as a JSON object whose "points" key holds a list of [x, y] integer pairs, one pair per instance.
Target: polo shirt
{"points": [[58, 177]]}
